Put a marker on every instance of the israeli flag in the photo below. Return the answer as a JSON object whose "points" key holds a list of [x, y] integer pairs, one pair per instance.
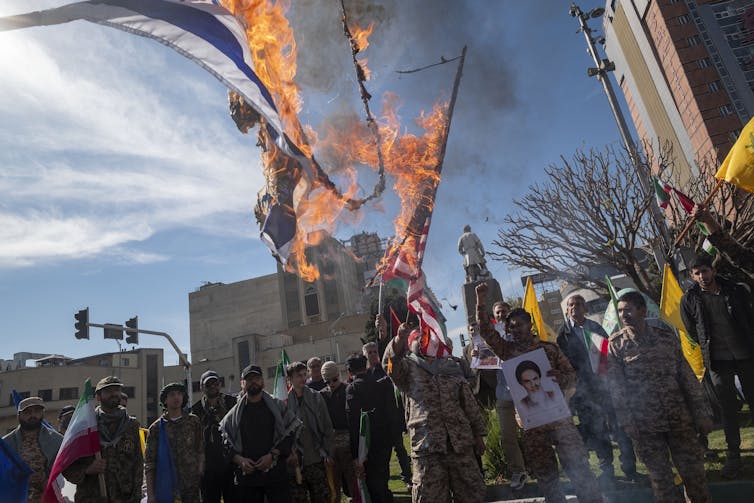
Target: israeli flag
{"points": [[207, 34]]}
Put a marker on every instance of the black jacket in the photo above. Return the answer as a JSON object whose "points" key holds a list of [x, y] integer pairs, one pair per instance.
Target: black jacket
{"points": [[739, 303], [368, 394], [215, 457]]}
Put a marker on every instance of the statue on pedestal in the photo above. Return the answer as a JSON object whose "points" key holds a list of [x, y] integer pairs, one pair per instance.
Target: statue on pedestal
{"points": [[472, 250]]}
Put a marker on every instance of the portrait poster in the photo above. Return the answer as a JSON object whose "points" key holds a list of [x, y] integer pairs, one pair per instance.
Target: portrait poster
{"points": [[485, 358], [537, 397]]}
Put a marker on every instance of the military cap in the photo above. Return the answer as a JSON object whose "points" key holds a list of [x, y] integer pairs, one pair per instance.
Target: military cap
{"points": [[251, 369], [107, 382], [32, 401], [210, 374], [68, 409]]}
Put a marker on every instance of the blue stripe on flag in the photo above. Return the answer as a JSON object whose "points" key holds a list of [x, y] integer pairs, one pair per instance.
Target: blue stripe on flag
{"points": [[200, 23]]}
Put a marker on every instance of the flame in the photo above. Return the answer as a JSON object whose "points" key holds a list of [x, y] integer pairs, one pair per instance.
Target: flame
{"points": [[412, 160]]}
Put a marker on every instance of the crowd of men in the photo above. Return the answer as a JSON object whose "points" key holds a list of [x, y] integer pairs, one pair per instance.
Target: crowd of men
{"points": [[312, 447]]}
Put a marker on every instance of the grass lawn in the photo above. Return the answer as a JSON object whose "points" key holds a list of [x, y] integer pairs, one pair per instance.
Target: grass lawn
{"points": [[716, 442]]}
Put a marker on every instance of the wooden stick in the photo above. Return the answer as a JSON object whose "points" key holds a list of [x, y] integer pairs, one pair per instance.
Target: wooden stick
{"points": [[101, 476], [693, 219]]}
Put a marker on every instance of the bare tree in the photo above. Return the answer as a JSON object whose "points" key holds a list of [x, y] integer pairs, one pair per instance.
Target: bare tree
{"points": [[590, 210]]}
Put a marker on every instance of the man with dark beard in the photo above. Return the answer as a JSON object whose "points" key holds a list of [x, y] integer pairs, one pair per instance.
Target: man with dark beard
{"points": [[37, 445], [121, 461], [217, 480], [259, 431]]}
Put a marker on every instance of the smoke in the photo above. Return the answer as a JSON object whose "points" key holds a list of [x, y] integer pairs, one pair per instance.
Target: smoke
{"points": [[410, 35]]}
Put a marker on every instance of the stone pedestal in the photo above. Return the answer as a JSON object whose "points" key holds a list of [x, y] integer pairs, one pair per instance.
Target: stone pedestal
{"points": [[494, 294]]}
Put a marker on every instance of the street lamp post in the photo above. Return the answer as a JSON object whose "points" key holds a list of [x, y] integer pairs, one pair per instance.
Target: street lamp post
{"points": [[600, 71]]}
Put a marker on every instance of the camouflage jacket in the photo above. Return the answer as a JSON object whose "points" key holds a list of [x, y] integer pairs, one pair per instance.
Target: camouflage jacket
{"points": [[124, 474], [187, 446], [441, 411], [510, 349], [652, 385]]}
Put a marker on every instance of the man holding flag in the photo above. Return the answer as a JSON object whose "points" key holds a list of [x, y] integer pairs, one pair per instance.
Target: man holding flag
{"points": [[120, 464], [584, 342], [36, 444], [445, 422], [174, 458]]}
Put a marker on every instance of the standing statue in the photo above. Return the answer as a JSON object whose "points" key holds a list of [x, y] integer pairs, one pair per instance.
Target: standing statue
{"points": [[472, 250]]}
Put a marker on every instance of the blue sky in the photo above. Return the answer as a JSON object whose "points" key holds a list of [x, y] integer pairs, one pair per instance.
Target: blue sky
{"points": [[124, 184]]}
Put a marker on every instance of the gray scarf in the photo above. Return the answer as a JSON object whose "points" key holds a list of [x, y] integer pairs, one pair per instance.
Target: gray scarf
{"points": [[111, 425]]}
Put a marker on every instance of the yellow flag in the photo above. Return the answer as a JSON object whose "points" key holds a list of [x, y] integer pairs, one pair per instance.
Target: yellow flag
{"points": [[670, 310], [531, 306], [738, 166]]}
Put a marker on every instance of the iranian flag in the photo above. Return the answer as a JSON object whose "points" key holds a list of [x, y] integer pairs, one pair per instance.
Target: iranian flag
{"points": [[596, 346], [365, 438], [81, 439], [280, 387], [662, 193]]}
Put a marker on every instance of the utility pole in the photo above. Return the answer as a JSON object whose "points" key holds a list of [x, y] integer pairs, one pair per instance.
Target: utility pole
{"points": [[603, 66], [135, 330]]}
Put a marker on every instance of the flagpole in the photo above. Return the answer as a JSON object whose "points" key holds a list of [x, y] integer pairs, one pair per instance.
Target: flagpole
{"points": [[102, 486], [691, 220]]}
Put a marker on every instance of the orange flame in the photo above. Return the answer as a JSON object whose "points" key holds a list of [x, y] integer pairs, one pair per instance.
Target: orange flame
{"points": [[412, 160]]}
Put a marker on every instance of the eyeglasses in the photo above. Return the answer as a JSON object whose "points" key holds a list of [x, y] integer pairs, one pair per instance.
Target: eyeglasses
{"points": [[213, 382]]}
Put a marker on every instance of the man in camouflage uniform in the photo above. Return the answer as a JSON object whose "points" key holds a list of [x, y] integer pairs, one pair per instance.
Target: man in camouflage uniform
{"points": [[122, 462], [538, 442], [658, 402], [445, 423], [335, 397], [35, 443], [313, 446], [184, 432], [217, 479]]}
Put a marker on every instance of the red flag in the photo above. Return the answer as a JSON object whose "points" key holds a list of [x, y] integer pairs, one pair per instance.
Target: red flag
{"points": [[687, 203], [395, 322]]}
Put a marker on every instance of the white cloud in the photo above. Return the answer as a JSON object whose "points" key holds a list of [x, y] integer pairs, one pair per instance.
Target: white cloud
{"points": [[107, 139]]}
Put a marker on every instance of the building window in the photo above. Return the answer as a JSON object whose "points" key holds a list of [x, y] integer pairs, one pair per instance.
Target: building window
{"points": [[693, 40], [714, 86], [68, 394], [45, 394], [125, 362], [271, 372], [684, 19], [703, 63], [726, 110], [311, 301], [244, 355]]}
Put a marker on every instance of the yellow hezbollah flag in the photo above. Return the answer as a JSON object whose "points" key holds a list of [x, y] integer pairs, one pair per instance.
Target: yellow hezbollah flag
{"points": [[531, 306], [670, 310], [738, 166]]}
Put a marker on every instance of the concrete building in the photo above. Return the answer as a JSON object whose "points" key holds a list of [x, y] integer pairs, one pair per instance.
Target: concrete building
{"points": [[253, 320], [59, 381], [686, 69]]}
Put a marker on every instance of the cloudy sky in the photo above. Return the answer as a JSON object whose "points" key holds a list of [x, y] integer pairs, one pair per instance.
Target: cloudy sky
{"points": [[124, 184]]}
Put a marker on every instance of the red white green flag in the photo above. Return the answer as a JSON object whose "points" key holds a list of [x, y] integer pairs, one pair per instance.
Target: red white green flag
{"points": [[81, 439]]}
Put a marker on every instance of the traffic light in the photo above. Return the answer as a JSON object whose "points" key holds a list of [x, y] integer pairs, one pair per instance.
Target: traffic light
{"points": [[82, 324], [113, 331], [132, 327]]}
